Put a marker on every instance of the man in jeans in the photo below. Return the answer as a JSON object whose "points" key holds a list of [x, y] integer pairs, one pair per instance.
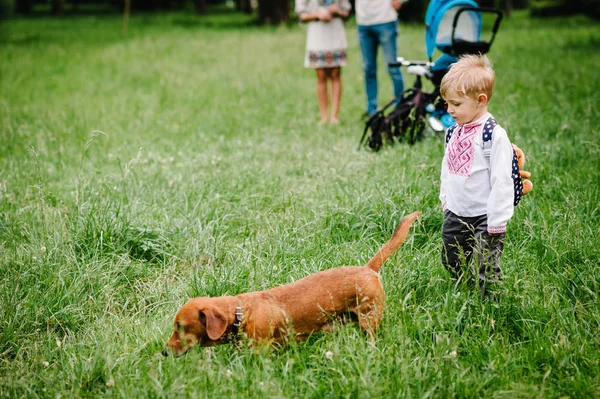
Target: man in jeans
{"points": [[378, 25]]}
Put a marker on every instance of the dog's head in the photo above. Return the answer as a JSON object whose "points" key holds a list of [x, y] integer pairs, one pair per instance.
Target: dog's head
{"points": [[199, 322]]}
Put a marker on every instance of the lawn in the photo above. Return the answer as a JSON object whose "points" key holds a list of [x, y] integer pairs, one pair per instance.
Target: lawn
{"points": [[185, 160]]}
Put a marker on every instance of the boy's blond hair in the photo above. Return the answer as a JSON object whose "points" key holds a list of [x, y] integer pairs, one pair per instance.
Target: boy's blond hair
{"points": [[470, 76]]}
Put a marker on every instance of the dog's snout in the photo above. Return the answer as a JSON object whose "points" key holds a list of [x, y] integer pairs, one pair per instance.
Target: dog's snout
{"points": [[169, 351]]}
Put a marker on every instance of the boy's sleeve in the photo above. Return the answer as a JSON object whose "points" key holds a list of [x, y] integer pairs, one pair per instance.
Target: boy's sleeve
{"points": [[500, 202]]}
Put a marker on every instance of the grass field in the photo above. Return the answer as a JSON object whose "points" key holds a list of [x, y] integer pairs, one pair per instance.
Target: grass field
{"points": [[185, 160]]}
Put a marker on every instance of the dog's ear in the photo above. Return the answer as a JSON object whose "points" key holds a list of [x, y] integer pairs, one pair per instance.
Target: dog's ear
{"points": [[215, 323]]}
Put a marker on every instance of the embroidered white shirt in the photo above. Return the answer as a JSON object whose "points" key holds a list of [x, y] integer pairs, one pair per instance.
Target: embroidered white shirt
{"points": [[470, 186]]}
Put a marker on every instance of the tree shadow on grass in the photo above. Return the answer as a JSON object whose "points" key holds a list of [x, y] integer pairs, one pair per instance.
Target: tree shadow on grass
{"points": [[588, 45], [194, 22]]}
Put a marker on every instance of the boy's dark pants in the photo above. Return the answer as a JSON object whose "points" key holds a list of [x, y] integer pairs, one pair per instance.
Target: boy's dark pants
{"points": [[465, 237]]}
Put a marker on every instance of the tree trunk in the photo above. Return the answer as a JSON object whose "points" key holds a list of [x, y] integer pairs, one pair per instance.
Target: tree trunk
{"points": [[508, 7], [58, 7], [244, 6], [125, 23], [201, 7], [273, 12], [23, 6]]}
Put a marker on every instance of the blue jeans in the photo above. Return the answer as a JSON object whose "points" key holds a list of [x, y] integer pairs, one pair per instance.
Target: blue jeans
{"points": [[369, 37]]}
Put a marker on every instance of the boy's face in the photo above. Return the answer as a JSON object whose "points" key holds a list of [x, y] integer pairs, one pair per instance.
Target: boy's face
{"points": [[465, 109]]}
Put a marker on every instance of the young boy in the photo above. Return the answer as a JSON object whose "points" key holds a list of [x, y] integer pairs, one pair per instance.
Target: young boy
{"points": [[476, 188]]}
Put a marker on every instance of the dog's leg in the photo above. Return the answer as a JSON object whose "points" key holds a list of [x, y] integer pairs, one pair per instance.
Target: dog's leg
{"points": [[370, 314], [369, 322]]}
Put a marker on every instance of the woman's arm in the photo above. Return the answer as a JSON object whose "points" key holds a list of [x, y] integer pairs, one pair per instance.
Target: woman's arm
{"points": [[397, 4], [342, 10], [320, 15]]}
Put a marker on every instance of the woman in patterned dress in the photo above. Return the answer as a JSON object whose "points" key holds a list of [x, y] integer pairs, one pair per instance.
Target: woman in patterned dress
{"points": [[326, 49]]}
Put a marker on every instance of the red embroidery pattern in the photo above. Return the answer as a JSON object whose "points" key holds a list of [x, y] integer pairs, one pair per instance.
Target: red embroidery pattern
{"points": [[327, 59], [461, 150]]}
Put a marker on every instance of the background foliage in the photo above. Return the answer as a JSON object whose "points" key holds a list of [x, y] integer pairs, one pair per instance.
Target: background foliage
{"points": [[278, 11]]}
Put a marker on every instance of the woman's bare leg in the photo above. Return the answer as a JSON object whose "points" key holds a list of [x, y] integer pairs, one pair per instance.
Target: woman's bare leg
{"points": [[322, 95], [336, 93]]}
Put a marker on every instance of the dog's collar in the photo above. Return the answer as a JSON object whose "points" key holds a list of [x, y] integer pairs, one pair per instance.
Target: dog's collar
{"points": [[235, 327], [238, 316]]}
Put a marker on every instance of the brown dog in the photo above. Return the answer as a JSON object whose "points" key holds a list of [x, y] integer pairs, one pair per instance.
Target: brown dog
{"points": [[313, 303]]}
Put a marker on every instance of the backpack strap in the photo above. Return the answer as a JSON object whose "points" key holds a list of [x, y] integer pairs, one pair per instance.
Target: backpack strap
{"points": [[517, 180], [449, 133], [488, 129]]}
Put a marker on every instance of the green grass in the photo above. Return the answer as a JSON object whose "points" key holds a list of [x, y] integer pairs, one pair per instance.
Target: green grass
{"points": [[185, 160]]}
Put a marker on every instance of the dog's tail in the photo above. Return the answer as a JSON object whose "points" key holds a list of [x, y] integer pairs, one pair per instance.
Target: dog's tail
{"points": [[394, 243]]}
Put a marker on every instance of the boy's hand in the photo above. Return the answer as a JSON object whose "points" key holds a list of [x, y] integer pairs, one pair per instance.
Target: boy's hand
{"points": [[397, 4]]}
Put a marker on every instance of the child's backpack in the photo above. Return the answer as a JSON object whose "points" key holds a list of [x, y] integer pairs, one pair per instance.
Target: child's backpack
{"points": [[488, 128]]}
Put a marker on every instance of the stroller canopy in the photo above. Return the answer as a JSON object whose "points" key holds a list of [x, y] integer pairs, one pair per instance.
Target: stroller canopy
{"points": [[438, 21]]}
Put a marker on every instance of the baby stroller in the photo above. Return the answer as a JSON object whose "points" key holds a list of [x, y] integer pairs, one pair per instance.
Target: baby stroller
{"points": [[454, 27]]}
